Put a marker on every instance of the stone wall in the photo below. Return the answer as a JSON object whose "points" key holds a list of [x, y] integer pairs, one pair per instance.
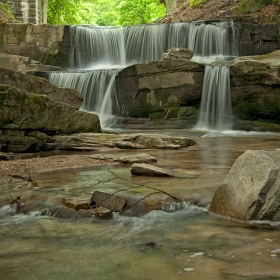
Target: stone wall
{"points": [[29, 11], [255, 39], [48, 44]]}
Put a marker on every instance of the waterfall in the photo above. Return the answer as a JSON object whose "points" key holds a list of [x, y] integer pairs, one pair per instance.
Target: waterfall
{"points": [[215, 109], [100, 52]]}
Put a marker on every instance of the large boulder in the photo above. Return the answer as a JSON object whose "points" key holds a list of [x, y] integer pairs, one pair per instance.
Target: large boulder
{"points": [[28, 83], [251, 190], [150, 87], [143, 169], [255, 82], [26, 120]]}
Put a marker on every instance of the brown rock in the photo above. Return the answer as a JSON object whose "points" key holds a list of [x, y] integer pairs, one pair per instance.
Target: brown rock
{"points": [[76, 203], [110, 201]]}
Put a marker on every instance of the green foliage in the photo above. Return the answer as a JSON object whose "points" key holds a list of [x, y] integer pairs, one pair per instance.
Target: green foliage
{"points": [[7, 9], [104, 12], [140, 11], [197, 2]]}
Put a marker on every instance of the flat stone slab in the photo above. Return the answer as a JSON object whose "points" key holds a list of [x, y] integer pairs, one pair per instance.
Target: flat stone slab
{"points": [[136, 158], [110, 201], [144, 169]]}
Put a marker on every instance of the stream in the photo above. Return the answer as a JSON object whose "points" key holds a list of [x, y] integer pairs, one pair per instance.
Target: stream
{"points": [[191, 244]]}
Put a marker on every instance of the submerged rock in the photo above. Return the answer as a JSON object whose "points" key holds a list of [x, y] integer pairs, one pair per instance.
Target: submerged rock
{"points": [[251, 190]]}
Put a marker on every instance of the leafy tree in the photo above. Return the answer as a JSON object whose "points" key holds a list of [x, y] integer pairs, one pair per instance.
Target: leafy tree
{"points": [[63, 11], [104, 12]]}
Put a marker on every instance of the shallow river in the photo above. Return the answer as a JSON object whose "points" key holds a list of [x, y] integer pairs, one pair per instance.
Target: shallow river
{"points": [[190, 243]]}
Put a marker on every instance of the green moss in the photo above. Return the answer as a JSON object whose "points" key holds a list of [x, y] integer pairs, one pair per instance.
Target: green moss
{"points": [[256, 126], [197, 2], [172, 112], [156, 115]]}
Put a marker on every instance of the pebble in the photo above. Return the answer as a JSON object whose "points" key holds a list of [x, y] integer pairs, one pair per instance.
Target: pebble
{"points": [[189, 269]]}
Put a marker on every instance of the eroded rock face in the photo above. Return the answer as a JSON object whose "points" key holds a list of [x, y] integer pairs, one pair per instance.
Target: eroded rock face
{"points": [[32, 84], [150, 87], [251, 190], [255, 87]]}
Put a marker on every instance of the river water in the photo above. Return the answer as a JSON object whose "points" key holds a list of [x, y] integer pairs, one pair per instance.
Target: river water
{"points": [[191, 244]]}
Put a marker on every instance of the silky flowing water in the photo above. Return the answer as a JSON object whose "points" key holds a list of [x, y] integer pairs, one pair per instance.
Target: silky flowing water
{"points": [[191, 243]]}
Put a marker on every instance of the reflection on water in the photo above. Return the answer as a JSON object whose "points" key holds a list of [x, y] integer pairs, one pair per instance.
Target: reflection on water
{"points": [[194, 245]]}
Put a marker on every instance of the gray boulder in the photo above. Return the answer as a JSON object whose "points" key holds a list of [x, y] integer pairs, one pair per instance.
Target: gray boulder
{"points": [[251, 190]]}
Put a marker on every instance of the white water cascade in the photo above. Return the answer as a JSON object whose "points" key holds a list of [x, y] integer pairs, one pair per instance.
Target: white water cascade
{"points": [[215, 109], [98, 53]]}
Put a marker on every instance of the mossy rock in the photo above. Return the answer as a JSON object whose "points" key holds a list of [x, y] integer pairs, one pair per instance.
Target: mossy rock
{"points": [[256, 126], [172, 112]]}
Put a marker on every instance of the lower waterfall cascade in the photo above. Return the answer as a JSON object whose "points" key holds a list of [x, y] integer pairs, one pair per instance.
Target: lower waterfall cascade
{"points": [[98, 53]]}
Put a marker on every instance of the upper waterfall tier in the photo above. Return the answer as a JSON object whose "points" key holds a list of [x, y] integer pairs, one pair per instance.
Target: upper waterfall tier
{"points": [[117, 47]]}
